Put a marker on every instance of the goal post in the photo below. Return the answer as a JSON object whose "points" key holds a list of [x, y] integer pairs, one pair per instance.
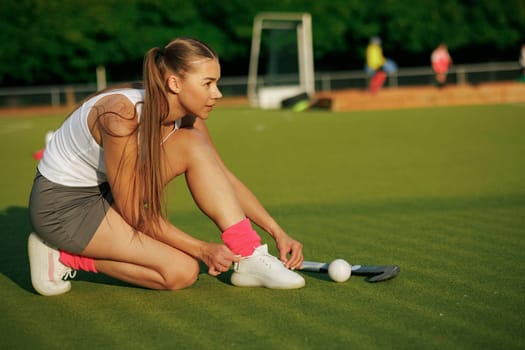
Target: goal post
{"points": [[269, 96]]}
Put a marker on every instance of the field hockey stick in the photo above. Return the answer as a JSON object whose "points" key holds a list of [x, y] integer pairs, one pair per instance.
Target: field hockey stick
{"points": [[373, 273]]}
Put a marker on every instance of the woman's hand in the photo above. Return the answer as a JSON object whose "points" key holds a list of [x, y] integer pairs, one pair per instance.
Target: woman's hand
{"points": [[218, 258], [287, 245]]}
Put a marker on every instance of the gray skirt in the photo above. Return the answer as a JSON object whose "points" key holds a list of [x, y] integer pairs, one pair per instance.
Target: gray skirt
{"points": [[67, 217]]}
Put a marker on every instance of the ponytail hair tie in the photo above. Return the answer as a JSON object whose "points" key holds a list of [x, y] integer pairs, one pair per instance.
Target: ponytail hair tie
{"points": [[159, 53]]}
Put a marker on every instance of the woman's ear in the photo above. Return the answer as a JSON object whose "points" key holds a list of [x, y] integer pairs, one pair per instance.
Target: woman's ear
{"points": [[174, 84]]}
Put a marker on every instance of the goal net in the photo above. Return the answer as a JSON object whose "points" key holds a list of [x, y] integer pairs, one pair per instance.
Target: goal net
{"points": [[281, 58]]}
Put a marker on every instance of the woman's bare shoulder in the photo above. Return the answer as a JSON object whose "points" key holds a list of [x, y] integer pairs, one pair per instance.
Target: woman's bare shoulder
{"points": [[115, 115]]}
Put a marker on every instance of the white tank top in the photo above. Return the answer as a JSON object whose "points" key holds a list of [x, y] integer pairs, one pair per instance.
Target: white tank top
{"points": [[72, 156]]}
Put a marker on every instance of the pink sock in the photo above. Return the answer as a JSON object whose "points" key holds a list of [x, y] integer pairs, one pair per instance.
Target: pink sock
{"points": [[77, 262], [241, 238]]}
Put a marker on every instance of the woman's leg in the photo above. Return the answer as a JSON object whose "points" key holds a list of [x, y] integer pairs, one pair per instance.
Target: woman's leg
{"points": [[211, 189], [214, 194], [189, 153], [137, 258]]}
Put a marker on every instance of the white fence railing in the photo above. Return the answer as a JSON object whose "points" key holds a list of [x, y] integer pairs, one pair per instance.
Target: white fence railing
{"points": [[237, 86]]}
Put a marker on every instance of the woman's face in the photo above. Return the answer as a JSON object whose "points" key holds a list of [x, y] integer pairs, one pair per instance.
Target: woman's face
{"points": [[198, 90]]}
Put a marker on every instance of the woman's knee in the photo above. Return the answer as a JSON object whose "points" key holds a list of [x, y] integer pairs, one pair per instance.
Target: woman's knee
{"points": [[190, 139], [189, 148], [182, 276]]}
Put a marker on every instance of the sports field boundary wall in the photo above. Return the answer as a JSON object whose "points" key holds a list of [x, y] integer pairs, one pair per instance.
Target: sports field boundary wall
{"points": [[362, 100], [426, 96]]}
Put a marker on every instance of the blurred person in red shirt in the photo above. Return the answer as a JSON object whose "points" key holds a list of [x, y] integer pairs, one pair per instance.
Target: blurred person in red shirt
{"points": [[441, 62]]}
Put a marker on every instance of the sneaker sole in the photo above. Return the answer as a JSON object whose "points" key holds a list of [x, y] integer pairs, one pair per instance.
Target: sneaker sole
{"points": [[248, 280]]}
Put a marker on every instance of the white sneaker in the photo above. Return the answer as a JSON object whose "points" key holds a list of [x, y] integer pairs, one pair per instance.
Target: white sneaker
{"points": [[264, 270], [48, 274]]}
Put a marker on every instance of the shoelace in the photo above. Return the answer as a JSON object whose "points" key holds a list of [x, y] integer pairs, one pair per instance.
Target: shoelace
{"points": [[269, 260], [64, 273], [70, 274], [266, 259]]}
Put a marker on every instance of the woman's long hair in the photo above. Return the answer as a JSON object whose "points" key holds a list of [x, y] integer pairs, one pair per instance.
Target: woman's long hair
{"points": [[175, 58]]}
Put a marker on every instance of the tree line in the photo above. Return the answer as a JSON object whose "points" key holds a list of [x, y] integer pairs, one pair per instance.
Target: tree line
{"points": [[63, 41]]}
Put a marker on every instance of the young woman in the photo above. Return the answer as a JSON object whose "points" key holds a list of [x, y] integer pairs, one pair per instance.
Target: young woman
{"points": [[97, 199]]}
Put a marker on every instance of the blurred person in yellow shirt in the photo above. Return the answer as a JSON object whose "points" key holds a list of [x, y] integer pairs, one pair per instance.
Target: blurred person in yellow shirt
{"points": [[377, 66]]}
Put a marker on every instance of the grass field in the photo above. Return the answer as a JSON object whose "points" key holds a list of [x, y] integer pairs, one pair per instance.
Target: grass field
{"points": [[441, 192]]}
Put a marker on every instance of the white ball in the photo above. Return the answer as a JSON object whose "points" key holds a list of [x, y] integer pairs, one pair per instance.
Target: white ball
{"points": [[339, 270]]}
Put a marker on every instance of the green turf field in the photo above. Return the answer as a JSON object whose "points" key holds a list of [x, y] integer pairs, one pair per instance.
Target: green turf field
{"points": [[441, 192]]}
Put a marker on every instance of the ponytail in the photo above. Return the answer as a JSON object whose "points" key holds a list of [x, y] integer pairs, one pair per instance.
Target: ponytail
{"points": [[149, 181]]}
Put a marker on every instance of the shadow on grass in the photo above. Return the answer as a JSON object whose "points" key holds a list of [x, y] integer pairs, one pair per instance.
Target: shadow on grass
{"points": [[15, 228]]}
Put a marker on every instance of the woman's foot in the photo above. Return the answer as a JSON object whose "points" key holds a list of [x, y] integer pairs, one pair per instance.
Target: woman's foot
{"points": [[48, 274], [264, 270]]}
